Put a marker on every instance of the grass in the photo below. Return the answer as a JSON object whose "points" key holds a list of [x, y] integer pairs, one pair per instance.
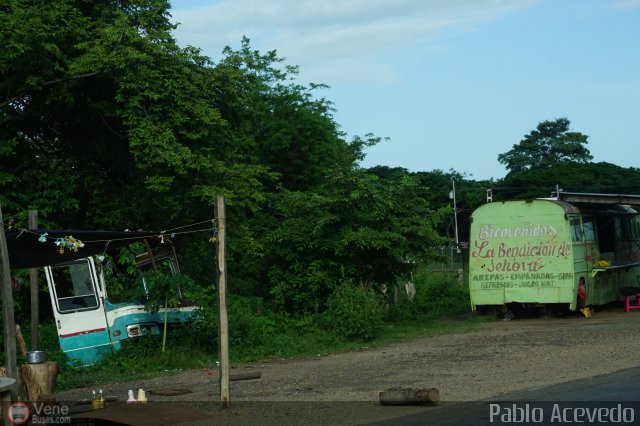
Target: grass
{"points": [[257, 334], [143, 358]]}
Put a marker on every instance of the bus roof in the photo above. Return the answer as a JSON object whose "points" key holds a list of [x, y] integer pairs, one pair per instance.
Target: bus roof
{"points": [[592, 198]]}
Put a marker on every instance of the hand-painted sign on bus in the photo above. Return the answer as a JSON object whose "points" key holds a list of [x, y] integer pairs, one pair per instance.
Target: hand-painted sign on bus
{"points": [[543, 251]]}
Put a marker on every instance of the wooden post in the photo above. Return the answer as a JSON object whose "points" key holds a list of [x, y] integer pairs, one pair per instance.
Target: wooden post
{"points": [[8, 320], [33, 286], [223, 324]]}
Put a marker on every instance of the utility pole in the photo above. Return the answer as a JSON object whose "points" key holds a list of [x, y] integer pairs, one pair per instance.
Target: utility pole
{"points": [[455, 211], [223, 322]]}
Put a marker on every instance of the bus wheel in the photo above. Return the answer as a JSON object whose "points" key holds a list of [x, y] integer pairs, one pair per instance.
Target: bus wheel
{"points": [[486, 310]]}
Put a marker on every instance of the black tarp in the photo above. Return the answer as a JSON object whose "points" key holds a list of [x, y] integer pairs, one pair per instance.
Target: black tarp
{"points": [[37, 247]]}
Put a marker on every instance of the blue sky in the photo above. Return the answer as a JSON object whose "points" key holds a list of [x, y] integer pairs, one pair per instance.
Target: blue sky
{"points": [[451, 83]]}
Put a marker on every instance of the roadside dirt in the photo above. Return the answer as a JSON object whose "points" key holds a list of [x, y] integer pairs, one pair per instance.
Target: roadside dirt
{"points": [[491, 359]]}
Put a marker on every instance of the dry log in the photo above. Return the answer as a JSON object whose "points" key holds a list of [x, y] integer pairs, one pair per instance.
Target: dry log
{"points": [[409, 396], [245, 376], [249, 375], [39, 379]]}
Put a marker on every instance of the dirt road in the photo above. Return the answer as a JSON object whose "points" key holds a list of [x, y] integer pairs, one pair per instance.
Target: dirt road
{"points": [[491, 359]]}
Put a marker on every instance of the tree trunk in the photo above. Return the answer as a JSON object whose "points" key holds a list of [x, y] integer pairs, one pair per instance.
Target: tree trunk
{"points": [[39, 380], [408, 396]]}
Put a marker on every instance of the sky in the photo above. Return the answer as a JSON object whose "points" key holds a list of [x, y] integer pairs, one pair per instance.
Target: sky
{"points": [[451, 83]]}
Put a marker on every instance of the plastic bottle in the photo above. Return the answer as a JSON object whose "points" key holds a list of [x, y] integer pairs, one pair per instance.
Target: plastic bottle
{"points": [[101, 399], [95, 402], [132, 399]]}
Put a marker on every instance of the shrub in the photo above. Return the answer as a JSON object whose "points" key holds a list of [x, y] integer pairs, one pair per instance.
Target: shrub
{"points": [[436, 296], [250, 323], [354, 312]]}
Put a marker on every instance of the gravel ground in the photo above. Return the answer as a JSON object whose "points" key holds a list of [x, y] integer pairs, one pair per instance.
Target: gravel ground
{"points": [[492, 359]]}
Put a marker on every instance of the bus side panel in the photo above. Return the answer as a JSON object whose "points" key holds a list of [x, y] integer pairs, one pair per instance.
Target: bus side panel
{"points": [[86, 348], [128, 321], [520, 251], [607, 284]]}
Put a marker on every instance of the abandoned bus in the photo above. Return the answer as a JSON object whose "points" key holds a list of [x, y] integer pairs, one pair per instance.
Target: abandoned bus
{"points": [[90, 322], [571, 251], [94, 307]]}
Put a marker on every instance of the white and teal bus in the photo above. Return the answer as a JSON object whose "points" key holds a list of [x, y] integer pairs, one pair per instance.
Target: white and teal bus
{"points": [[90, 322]]}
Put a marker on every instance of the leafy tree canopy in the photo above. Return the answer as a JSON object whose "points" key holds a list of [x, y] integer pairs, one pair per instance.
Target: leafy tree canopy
{"points": [[105, 122], [600, 177], [550, 144]]}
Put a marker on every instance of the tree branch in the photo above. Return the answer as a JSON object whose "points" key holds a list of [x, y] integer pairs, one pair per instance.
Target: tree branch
{"points": [[49, 83]]}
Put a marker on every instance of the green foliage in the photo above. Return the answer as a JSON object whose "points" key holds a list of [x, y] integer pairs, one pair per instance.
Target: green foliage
{"points": [[602, 178], [354, 312], [121, 275], [257, 333], [436, 296], [358, 227], [251, 324], [139, 358], [122, 128], [550, 144], [165, 290]]}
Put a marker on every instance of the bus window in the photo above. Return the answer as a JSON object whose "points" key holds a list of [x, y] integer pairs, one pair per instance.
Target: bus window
{"points": [[163, 266], [625, 228], [589, 234], [606, 234], [576, 228], [74, 287]]}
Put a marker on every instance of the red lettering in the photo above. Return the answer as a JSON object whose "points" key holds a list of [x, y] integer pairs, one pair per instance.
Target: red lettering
{"points": [[480, 250], [507, 266]]}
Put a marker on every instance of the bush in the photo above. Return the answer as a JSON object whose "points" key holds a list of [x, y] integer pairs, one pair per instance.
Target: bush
{"points": [[436, 296], [250, 323], [354, 312]]}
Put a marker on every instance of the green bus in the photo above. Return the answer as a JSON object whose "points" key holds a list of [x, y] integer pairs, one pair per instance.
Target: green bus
{"points": [[571, 251]]}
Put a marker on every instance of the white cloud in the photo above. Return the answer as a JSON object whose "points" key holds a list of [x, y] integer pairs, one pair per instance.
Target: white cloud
{"points": [[627, 4], [336, 40]]}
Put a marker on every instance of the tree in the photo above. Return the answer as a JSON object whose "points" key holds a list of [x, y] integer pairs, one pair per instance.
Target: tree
{"points": [[358, 228], [588, 177], [552, 143], [105, 122]]}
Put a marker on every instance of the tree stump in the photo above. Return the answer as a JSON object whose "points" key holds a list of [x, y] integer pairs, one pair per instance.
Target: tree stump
{"points": [[39, 380], [409, 396]]}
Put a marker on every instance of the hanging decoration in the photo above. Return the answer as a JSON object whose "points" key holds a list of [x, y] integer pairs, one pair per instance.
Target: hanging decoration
{"points": [[68, 242], [73, 244], [213, 238]]}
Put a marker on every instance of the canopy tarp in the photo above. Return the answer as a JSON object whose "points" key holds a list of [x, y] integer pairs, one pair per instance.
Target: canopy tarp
{"points": [[35, 248]]}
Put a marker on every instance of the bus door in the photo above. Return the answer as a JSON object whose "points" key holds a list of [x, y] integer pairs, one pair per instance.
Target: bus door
{"points": [[590, 257], [78, 310]]}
